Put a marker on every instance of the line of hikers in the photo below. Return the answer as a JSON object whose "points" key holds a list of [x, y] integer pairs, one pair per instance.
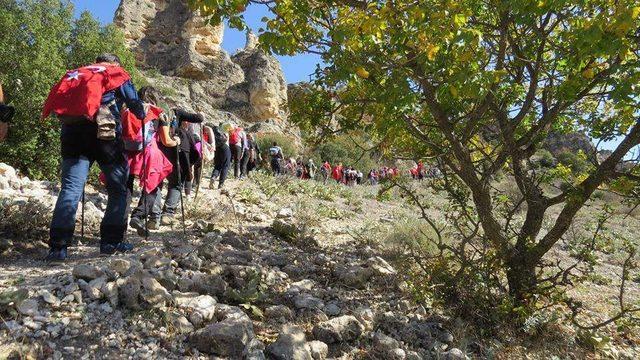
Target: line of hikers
{"points": [[127, 132], [105, 120]]}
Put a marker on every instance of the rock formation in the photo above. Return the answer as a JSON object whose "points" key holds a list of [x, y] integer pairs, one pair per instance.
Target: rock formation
{"points": [[180, 54]]}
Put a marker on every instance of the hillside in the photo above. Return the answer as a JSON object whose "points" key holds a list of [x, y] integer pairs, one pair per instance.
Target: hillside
{"points": [[275, 268]]}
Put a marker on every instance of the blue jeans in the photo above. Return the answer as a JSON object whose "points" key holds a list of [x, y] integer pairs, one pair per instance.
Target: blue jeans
{"points": [[80, 149]]}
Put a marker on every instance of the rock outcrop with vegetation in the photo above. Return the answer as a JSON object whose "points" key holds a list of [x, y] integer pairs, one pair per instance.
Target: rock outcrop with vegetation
{"points": [[181, 54]]}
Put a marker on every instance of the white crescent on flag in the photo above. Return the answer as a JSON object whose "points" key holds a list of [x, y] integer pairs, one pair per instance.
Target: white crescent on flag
{"points": [[96, 69]]}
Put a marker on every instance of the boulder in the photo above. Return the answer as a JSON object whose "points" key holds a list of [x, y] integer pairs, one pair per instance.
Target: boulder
{"points": [[306, 301], [341, 329], [200, 308], [153, 293], [285, 229], [290, 345], [230, 337], [319, 350], [87, 272], [279, 312], [454, 354]]}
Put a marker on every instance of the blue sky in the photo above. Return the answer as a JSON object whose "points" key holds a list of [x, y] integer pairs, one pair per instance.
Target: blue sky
{"points": [[296, 68]]}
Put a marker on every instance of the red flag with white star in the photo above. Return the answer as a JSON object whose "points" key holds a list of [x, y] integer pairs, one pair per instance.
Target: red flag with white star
{"points": [[79, 91]]}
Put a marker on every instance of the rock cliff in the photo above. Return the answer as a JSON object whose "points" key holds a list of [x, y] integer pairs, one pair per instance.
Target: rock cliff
{"points": [[180, 54]]}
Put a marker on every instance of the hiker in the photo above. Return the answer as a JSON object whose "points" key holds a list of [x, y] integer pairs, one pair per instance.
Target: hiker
{"points": [[181, 157], [195, 131], [299, 169], [91, 131], [244, 161], [222, 159], [6, 114], [146, 160], [325, 170], [336, 174], [359, 177], [373, 177], [254, 154], [311, 169], [237, 138], [206, 148], [275, 152]]}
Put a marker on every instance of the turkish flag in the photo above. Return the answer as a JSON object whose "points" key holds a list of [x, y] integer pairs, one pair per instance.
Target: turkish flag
{"points": [[80, 91]]}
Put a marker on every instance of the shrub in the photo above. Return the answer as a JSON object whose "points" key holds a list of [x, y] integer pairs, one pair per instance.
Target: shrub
{"points": [[577, 162], [545, 158], [287, 143]]}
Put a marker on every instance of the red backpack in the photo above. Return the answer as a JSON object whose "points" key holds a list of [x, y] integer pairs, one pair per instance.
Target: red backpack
{"points": [[132, 128], [79, 92]]}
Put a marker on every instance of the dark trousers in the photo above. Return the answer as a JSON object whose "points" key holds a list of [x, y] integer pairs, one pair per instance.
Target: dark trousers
{"points": [[245, 162], [145, 203], [80, 148], [236, 154], [176, 180], [194, 182], [275, 166], [222, 161]]}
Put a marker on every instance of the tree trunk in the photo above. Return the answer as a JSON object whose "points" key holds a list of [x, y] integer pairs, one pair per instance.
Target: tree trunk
{"points": [[522, 280]]}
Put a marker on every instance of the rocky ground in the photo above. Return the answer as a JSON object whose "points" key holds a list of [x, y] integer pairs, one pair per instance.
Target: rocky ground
{"points": [[246, 283], [274, 269]]}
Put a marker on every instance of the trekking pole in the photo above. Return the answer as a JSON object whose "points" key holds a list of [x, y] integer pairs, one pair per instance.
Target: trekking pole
{"points": [[184, 227], [202, 163], [82, 216], [143, 181]]}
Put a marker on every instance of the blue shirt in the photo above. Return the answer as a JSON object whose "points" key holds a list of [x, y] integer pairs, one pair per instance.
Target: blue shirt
{"points": [[126, 94]]}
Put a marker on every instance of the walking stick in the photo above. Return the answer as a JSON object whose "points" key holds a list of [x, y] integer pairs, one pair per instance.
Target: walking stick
{"points": [[143, 180], [82, 216], [184, 227], [195, 197]]}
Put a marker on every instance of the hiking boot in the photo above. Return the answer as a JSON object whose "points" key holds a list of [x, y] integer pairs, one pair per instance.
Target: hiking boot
{"points": [[166, 220], [153, 224], [56, 255], [110, 249], [138, 225], [212, 185]]}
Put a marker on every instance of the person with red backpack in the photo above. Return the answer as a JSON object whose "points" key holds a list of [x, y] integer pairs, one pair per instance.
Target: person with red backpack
{"points": [[142, 141], [87, 101], [237, 140]]}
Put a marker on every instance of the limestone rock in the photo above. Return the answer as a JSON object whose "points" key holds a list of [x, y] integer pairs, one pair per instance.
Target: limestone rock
{"points": [[173, 43], [290, 345], [343, 328], [28, 307], [87, 272], [319, 350], [231, 337], [279, 312]]}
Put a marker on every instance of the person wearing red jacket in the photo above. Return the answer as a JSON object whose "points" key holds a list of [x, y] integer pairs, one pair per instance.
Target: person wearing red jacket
{"points": [[87, 101], [336, 174]]}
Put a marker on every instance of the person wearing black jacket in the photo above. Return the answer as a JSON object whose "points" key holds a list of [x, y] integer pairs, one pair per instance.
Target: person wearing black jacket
{"points": [[185, 155], [222, 158], [6, 114], [253, 157]]}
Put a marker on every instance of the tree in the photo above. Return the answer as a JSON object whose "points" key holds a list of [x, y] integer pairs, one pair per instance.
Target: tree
{"points": [[33, 54], [40, 42], [476, 85]]}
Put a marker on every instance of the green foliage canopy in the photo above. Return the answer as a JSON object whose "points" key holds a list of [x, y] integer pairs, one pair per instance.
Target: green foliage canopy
{"points": [[476, 85], [40, 41]]}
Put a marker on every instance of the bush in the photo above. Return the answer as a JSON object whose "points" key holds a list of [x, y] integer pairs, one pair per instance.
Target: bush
{"points": [[40, 42], [287, 143], [347, 150], [577, 162], [545, 158], [24, 219]]}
